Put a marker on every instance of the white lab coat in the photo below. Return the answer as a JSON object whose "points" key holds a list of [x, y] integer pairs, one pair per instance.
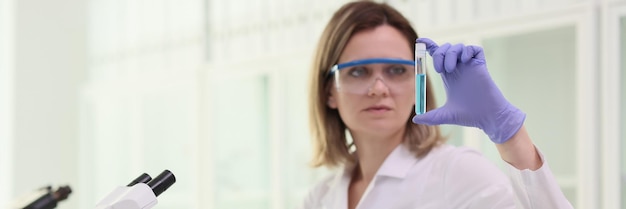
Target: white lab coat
{"points": [[448, 177]]}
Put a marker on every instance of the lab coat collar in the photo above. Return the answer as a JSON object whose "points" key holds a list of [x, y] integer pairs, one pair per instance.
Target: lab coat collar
{"points": [[337, 194], [398, 163]]}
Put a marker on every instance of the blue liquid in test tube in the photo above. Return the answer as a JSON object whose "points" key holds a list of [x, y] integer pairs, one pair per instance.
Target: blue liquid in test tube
{"points": [[420, 78]]}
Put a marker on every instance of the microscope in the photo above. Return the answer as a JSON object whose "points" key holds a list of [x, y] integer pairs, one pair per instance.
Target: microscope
{"points": [[47, 198], [140, 193]]}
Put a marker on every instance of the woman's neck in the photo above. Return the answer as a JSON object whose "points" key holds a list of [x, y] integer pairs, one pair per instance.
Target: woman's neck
{"points": [[372, 151]]}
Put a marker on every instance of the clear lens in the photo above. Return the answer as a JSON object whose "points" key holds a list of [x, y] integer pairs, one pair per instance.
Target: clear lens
{"points": [[399, 78]]}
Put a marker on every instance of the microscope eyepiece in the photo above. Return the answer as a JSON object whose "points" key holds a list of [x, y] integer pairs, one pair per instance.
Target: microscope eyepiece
{"points": [[162, 182], [143, 178], [140, 193], [62, 193], [50, 199]]}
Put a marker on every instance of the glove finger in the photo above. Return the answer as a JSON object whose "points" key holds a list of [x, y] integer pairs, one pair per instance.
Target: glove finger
{"points": [[478, 52], [473, 52], [467, 54], [434, 117], [452, 57], [431, 46], [438, 57]]}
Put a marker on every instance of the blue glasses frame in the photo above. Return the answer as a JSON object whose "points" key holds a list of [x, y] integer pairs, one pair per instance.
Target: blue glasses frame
{"points": [[344, 65]]}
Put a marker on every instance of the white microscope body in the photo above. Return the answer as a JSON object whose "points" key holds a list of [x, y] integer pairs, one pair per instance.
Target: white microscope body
{"points": [[141, 193], [139, 196]]}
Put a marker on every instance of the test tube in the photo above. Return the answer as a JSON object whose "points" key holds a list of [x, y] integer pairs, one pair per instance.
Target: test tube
{"points": [[420, 78]]}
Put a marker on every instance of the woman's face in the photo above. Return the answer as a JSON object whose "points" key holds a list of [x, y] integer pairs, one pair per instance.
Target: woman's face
{"points": [[381, 108]]}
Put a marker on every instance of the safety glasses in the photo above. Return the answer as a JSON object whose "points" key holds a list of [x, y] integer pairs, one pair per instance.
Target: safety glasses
{"points": [[359, 76]]}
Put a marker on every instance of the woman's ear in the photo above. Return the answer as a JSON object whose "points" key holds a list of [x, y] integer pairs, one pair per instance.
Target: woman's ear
{"points": [[331, 101]]}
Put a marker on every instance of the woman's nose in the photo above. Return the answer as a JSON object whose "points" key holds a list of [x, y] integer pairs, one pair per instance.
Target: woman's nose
{"points": [[379, 88]]}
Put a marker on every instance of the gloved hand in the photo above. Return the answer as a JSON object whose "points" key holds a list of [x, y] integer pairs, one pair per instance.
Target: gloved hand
{"points": [[473, 99]]}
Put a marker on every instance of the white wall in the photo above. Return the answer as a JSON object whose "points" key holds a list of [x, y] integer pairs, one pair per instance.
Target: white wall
{"points": [[6, 100], [50, 60]]}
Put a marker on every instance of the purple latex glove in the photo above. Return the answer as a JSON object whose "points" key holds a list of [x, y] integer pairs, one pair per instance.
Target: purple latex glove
{"points": [[473, 99]]}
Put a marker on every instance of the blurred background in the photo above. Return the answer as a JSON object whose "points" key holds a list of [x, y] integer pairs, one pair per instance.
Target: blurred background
{"points": [[95, 92]]}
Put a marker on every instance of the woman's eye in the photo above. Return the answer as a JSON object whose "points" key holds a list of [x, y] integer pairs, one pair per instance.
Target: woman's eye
{"points": [[357, 72], [396, 70]]}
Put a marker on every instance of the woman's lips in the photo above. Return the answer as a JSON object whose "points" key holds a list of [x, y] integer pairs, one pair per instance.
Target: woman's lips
{"points": [[378, 109]]}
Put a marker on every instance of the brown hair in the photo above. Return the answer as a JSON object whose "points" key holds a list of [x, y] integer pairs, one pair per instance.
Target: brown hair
{"points": [[330, 146]]}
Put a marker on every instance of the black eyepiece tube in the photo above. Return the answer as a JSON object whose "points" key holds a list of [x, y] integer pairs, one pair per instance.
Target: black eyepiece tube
{"points": [[62, 193], [162, 182], [50, 199], [143, 178]]}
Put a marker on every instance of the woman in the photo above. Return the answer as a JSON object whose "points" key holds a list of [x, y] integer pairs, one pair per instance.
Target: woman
{"points": [[362, 85]]}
